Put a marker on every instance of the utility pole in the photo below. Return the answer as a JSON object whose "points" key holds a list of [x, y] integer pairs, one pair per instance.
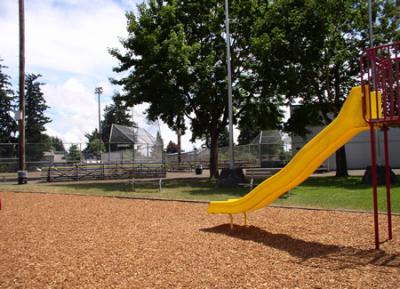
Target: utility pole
{"points": [[228, 64], [22, 174], [99, 90]]}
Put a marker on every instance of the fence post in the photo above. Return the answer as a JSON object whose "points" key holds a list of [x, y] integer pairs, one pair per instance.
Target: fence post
{"points": [[132, 184], [49, 175], [80, 152], [77, 171]]}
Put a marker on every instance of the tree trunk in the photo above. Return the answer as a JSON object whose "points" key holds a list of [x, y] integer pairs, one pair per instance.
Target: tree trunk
{"points": [[341, 162], [214, 155]]}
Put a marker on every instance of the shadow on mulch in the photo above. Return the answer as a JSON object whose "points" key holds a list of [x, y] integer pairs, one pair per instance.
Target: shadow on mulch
{"points": [[311, 253]]}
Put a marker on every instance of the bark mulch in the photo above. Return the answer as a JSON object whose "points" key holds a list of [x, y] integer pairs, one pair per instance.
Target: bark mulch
{"points": [[57, 241]]}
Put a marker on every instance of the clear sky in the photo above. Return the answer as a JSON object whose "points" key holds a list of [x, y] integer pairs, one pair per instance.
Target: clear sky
{"points": [[67, 42]]}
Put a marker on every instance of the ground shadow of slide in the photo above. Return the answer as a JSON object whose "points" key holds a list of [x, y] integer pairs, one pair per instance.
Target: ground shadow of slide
{"points": [[314, 253]]}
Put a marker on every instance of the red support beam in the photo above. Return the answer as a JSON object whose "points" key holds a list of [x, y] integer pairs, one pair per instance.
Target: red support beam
{"points": [[388, 193]]}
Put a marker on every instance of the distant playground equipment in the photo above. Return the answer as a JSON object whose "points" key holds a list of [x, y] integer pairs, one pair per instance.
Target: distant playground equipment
{"points": [[373, 105]]}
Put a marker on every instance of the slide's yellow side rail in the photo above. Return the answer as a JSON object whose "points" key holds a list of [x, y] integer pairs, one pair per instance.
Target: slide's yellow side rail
{"points": [[347, 124]]}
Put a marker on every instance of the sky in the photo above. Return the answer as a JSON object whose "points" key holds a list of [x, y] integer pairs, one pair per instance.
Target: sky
{"points": [[67, 42]]}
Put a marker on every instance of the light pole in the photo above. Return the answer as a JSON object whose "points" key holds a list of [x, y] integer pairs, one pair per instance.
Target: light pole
{"points": [[228, 64], [99, 90]]}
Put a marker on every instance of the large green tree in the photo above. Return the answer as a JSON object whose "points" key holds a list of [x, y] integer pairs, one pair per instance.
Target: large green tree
{"points": [[35, 118], [53, 143], [319, 44], [175, 56], [172, 148], [74, 153], [8, 125]]}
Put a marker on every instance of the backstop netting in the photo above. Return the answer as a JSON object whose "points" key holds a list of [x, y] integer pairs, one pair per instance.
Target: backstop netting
{"points": [[134, 144]]}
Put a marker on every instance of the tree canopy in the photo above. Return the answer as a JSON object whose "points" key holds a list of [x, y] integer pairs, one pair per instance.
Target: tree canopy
{"points": [[175, 56], [74, 153], [8, 125], [172, 148], [56, 144], [35, 118], [332, 35], [94, 145], [283, 50], [35, 109]]}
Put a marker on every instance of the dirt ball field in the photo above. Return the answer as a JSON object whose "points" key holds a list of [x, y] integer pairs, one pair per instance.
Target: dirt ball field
{"points": [[58, 241]]}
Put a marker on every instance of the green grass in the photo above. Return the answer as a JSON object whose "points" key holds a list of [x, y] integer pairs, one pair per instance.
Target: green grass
{"points": [[339, 193], [202, 190], [326, 192]]}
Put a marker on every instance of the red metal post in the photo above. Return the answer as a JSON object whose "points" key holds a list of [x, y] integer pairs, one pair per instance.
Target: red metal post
{"points": [[375, 87], [382, 88], [380, 66], [388, 193], [374, 185], [397, 79]]}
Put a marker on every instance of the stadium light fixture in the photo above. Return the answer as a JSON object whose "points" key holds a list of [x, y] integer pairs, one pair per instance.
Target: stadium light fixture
{"points": [[99, 90]]}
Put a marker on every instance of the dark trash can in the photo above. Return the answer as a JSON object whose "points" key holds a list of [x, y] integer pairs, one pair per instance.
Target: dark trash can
{"points": [[22, 177], [199, 170]]}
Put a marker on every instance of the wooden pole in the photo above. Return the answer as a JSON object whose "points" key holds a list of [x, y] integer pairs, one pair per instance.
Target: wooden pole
{"points": [[21, 115]]}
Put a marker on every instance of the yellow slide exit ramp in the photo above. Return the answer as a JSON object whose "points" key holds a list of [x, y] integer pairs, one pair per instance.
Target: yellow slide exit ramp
{"points": [[347, 124]]}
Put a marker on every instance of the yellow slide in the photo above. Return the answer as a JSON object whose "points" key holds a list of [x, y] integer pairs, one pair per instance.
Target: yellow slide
{"points": [[347, 124]]}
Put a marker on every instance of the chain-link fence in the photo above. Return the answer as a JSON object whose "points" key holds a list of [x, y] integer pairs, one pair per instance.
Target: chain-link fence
{"points": [[130, 152], [39, 156], [268, 149], [136, 153], [133, 144]]}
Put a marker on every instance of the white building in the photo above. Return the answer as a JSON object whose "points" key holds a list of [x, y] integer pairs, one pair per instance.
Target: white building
{"points": [[358, 150]]}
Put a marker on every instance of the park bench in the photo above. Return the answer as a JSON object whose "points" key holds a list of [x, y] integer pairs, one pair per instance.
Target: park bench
{"points": [[132, 182], [321, 169], [260, 174], [257, 174]]}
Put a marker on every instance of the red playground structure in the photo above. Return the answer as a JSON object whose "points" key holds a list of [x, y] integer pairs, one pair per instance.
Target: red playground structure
{"points": [[380, 74]]}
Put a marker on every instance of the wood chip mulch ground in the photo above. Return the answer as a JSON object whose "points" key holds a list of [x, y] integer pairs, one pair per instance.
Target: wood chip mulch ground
{"points": [[58, 241]]}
